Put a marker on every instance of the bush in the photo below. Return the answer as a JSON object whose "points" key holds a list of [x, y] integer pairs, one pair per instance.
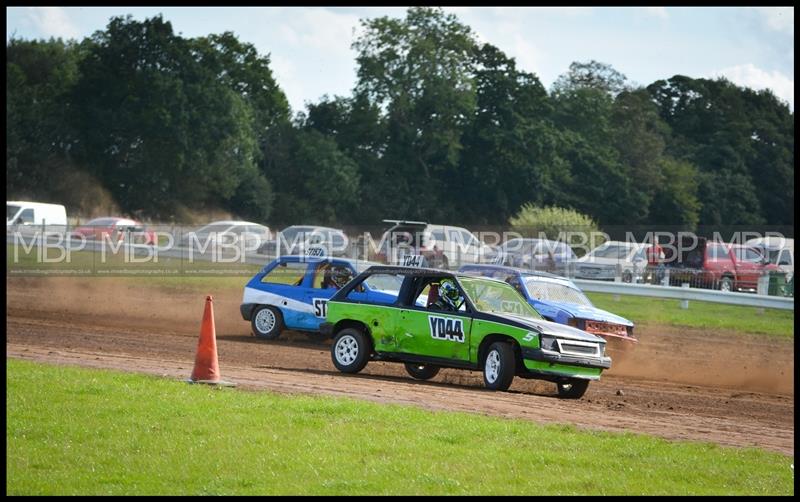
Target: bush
{"points": [[558, 224]]}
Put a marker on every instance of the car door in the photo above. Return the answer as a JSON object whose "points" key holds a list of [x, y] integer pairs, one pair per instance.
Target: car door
{"points": [[285, 286], [318, 291], [749, 266], [433, 333]]}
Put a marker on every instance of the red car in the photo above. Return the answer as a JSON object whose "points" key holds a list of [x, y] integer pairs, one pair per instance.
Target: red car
{"points": [[116, 229], [720, 266]]}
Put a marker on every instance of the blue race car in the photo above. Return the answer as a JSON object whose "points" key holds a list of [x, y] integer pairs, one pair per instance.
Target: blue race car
{"points": [[558, 299], [292, 292]]}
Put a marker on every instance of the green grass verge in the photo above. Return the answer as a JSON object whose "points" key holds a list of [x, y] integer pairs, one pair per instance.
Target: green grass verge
{"points": [[80, 431], [714, 316]]}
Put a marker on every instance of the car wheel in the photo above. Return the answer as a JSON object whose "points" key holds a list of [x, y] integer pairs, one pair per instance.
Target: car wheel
{"points": [[574, 388], [627, 276], [499, 366], [350, 351], [421, 371], [726, 284], [267, 322]]}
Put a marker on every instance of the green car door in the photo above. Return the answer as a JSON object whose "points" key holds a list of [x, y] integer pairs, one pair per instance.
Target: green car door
{"points": [[434, 333]]}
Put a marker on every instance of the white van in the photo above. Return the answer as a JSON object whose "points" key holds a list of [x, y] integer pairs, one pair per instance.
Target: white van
{"points": [[779, 251], [443, 246], [35, 213]]}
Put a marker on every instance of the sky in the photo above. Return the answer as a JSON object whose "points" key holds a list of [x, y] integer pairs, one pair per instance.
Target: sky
{"points": [[311, 55]]}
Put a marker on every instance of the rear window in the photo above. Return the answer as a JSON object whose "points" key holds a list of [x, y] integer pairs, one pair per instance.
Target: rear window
{"points": [[290, 273]]}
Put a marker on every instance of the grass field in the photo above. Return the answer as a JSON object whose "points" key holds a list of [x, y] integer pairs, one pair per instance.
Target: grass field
{"points": [[80, 431], [715, 316]]}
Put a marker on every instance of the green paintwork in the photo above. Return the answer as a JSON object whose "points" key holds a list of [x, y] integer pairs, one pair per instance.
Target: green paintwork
{"points": [[406, 330], [563, 369]]}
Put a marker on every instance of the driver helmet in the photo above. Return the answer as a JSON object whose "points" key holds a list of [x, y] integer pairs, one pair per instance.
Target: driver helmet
{"points": [[449, 294], [341, 276]]}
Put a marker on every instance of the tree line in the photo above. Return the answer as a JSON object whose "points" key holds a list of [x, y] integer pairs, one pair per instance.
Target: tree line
{"points": [[438, 127]]}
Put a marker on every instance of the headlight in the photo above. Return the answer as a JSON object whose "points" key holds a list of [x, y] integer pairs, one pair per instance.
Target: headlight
{"points": [[575, 322], [548, 342]]}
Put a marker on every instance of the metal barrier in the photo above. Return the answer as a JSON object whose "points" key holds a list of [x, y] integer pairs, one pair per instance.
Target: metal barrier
{"points": [[686, 294]]}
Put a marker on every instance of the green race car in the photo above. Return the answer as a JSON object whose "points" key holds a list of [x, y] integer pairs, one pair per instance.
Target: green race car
{"points": [[443, 319]]}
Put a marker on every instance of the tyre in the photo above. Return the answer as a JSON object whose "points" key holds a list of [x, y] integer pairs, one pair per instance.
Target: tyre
{"points": [[350, 351], [266, 322], [499, 366], [422, 371], [575, 388], [627, 276], [726, 284]]}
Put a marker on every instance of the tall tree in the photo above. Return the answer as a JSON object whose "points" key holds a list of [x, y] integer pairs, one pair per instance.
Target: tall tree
{"points": [[163, 130], [584, 109], [39, 77], [511, 145], [743, 151], [418, 71]]}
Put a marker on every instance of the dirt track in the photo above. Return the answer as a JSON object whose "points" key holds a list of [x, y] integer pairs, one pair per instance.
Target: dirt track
{"points": [[724, 388]]}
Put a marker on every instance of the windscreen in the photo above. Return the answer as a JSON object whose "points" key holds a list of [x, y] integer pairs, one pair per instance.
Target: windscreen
{"points": [[496, 297], [546, 290], [11, 211], [612, 251]]}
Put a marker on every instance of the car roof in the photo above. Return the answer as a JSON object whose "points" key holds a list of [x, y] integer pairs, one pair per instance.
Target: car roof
{"points": [[626, 244], [772, 242], [115, 219], [532, 239], [233, 222], [312, 226], [397, 269], [504, 268], [318, 259]]}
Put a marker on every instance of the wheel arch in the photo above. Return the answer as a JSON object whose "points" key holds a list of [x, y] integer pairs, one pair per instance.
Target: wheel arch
{"points": [[488, 340], [360, 326]]}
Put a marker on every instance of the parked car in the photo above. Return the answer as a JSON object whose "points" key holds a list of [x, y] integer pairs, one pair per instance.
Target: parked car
{"points": [[712, 264], [115, 229], [558, 299], [612, 259], [535, 254], [24, 213], [444, 319], [442, 246], [292, 292], [227, 232], [298, 239], [779, 251]]}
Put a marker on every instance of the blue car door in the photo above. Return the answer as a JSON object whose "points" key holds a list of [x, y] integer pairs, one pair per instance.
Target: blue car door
{"points": [[283, 286]]}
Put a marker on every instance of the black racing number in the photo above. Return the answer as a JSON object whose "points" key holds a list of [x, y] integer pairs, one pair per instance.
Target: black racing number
{"points": [[321, 307]]}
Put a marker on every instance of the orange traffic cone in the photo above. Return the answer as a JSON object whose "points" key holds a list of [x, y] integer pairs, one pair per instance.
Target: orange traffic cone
{"points": [[206, 365]]}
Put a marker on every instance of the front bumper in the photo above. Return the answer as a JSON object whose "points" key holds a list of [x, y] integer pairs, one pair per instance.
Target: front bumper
{"points": [[547, 356]]}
